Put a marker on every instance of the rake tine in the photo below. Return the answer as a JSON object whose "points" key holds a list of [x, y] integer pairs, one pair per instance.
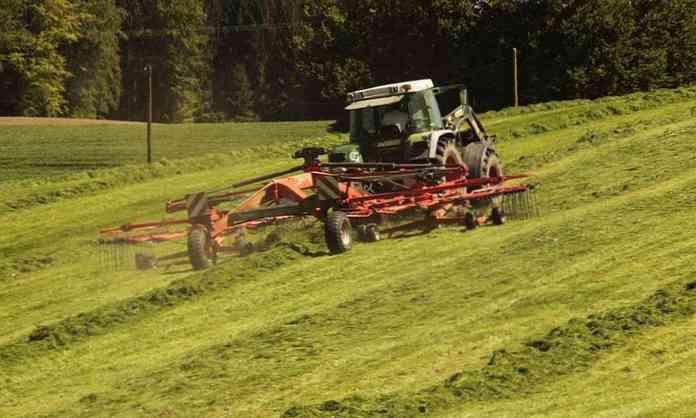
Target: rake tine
{"points": [[536, 206], [526, 206]]}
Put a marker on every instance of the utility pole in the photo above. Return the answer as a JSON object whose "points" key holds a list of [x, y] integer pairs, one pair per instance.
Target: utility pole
{"points": [[514, 81], [148, 71]]}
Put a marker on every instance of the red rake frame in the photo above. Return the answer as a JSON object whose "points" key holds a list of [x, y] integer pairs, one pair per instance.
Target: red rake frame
{"points": [[325, 188]]}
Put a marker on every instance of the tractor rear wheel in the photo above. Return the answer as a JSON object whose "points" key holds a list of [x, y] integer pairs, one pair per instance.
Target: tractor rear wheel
{"points": [[337, 231], [201, 252], [482, 161]]}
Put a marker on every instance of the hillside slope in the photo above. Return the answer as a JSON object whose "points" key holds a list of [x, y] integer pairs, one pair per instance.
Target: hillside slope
{"points": [[574, 313]]}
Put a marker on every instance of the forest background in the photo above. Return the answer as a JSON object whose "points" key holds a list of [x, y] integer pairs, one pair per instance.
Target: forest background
{"points": [[217, 60]]}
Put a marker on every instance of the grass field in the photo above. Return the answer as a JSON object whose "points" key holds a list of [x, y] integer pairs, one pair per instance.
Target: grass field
{"points": [[585, 311], [50, 150]]}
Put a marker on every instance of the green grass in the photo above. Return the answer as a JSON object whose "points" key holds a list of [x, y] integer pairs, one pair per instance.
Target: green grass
{"points": [[46, 151], [590, 299]]}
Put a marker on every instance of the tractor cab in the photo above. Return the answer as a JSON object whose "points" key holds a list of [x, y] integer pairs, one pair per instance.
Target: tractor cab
{"points": [[402, 122], [385, 120]]}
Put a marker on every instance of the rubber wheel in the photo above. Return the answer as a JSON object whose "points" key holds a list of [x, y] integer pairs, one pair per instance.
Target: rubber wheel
{"points": [[337, 231], [470, 221], [200, 249], [372, 233], [498, 216], [447, 153], [483, 161]]}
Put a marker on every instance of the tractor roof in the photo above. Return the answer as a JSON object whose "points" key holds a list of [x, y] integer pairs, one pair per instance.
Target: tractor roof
{"points": [[390, 90]]}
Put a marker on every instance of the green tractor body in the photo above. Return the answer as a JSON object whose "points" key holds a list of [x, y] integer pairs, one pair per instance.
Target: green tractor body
{"points": [[402, 123]]}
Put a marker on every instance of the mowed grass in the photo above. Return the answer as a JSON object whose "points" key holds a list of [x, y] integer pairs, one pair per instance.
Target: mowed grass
{"points": [[254, 337], [45, 151]]}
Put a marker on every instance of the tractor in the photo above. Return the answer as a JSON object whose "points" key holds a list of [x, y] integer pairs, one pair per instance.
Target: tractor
{"points": [[402, 123]]}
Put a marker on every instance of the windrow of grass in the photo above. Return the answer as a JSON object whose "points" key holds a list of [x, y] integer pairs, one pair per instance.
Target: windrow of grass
{"points": [[661, 96], [51, 265], [570, 348], [584, 113], [650, 375], [59, 335]]}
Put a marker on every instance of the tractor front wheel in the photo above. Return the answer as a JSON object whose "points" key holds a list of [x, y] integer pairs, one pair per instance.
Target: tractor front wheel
{"points": [[337, 231], [201, 250], [447, 153]]}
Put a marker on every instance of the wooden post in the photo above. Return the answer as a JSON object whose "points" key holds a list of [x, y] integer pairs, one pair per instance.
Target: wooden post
{"points": [[148, 71], [514, 72]]}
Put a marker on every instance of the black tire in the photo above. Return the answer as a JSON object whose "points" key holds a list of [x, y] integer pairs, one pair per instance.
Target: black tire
{"points": [[470, 221], [368, 233], [483, 161], [337, 231], [372, 233], [498, 216], [200, 249], [447, 153]]}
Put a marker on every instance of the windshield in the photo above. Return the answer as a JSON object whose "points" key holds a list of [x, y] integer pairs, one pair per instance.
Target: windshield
{"points": [[415, 112]]}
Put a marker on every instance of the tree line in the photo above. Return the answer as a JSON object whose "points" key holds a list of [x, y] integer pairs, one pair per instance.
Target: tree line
{"points": [[216, 60]]}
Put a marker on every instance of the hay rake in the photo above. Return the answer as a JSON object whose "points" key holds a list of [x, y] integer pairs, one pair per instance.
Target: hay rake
{"points": [[346, 197]]}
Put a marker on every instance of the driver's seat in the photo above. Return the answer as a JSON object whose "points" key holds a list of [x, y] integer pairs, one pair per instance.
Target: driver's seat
{"points": [[390, 132]]}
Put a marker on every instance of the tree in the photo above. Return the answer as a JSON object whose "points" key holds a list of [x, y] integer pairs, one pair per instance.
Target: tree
{"points": [[240, 97], [94, 87], [171, 36], [30, 53]]}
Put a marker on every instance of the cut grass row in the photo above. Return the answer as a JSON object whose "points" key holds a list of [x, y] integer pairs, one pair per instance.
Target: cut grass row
{"points": [[571, 348]]}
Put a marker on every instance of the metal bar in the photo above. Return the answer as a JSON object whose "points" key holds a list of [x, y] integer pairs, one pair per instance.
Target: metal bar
{"points": [[272, 212], [377, 165], [130, 227], [434, 189], [267, 176]]}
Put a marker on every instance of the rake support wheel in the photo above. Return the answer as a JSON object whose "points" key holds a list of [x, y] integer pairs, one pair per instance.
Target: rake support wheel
{"points": [[498, 216], [369, 233], [470, 222], [337, 231], [201, 251]]}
